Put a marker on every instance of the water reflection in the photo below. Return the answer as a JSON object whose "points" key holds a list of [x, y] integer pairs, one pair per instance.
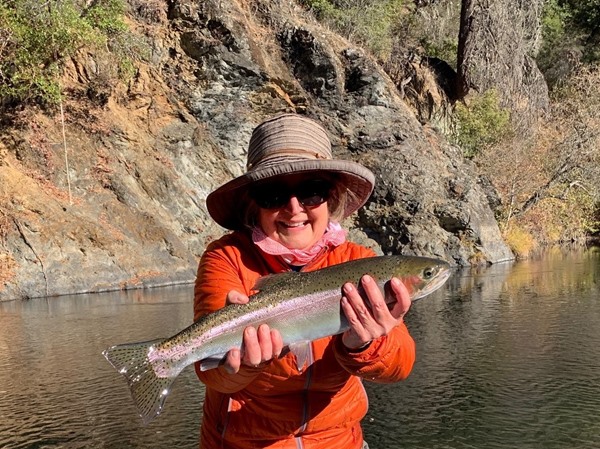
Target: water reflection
{"points": [[507, 357], [58, 391]]}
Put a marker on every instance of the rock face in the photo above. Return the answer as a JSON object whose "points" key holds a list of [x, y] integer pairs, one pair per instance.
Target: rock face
{"points": [[142, 162], [509, 68]]}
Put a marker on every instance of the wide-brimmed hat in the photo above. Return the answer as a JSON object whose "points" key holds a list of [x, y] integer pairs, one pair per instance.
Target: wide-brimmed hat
{"points": [[288, 144]]}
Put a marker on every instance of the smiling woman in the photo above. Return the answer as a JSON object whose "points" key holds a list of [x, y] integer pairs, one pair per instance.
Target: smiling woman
{"points": [[284, 212], [294, 213]]}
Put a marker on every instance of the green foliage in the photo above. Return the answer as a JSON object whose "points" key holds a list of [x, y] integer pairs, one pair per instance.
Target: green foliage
{"points": [[555, 42], [437, 26], [323, 9], [554, 18], [480, 124], [106, 16], [37, 37], [569, 26], [584, 14], [445, 50], [371, 22]]}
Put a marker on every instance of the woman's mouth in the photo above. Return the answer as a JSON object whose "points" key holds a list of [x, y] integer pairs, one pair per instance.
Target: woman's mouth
{"points": [[293, 225]]}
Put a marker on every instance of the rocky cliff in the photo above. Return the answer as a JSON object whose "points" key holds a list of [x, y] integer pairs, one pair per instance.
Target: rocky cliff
{"points": [[119, 202]]}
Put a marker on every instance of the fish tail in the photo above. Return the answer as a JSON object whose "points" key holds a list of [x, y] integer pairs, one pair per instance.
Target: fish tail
{"points": [[148, 390]]}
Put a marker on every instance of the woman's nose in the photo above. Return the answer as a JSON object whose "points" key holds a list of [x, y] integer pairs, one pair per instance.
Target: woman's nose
{"points": [[294, 206]]}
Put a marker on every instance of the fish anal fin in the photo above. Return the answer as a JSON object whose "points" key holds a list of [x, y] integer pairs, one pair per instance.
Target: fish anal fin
{"points": [[303, 352], [211, 362]]}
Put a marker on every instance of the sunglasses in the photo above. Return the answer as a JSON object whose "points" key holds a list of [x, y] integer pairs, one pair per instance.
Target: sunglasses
{"points": [[310, 193]]}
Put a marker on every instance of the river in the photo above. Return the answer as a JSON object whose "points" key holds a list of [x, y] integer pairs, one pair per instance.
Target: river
{"points": [[508, 357]]}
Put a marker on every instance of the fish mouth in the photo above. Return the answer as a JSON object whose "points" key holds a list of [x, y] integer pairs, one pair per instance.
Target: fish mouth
{"points": [[435, 284]]}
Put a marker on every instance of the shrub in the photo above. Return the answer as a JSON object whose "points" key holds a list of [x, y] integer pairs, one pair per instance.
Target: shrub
{"points": [[106, 17], [436, 27], [554, 18], [567, 218], [583, 20], [323, 9], [37, 37], [446, 50], [479, 124], [370, 22], [520, 241], [570, 37], [559, 49]]}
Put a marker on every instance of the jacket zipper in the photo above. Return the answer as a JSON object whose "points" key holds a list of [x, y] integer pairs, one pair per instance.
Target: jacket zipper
{"points": [[311, 359], [226, 420], [309, 372], [305, 405]]}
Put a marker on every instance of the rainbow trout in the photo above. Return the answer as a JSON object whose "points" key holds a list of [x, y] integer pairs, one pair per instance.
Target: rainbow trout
{"points": [[302, 306]]}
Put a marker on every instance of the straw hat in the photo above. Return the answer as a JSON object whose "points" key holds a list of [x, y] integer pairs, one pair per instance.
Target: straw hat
{"points": [[286, 144]]}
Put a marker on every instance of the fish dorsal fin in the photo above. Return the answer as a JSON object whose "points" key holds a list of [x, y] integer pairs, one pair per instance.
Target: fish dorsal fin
{"points": [[273, 280]]}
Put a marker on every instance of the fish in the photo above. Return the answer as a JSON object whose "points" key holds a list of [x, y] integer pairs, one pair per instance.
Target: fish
{"points": [[302, 306]]}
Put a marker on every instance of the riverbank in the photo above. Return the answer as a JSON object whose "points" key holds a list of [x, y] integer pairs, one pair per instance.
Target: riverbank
{"points": [[111, 194]]}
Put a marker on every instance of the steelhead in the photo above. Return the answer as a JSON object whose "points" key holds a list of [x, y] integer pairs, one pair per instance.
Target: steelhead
{"points": [[302, 306]]}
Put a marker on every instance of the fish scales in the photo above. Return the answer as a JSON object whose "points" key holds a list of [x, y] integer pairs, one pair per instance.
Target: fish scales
{"points": [[303, 306], [295, 283]]}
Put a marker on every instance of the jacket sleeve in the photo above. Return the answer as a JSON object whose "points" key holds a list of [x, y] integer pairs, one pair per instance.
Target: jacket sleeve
{"points": [[387, 359], [217, 276]]}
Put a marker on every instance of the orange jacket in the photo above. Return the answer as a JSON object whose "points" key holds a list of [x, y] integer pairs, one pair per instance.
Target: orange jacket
{"points": [[277, 406]]}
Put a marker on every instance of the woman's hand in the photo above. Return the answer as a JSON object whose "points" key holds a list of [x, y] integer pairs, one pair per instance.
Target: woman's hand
{"points": [[368, 323], [258, 346]]}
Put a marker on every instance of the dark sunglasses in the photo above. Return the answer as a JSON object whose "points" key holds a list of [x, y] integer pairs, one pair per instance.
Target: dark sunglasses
{"points": [[310, 193]]}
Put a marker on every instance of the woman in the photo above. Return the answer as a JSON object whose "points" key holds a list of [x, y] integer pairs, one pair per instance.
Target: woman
{"points": [[284, 213]]}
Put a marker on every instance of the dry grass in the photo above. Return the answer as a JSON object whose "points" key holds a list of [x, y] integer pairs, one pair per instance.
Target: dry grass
{"points": [[8, 264], [138, 281], [548, 183], [8, 267], [4, 223], [520, 241], [115, 233]]}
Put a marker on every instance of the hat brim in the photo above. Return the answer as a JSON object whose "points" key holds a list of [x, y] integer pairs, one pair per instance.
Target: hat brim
{"points": [[225, 205]]}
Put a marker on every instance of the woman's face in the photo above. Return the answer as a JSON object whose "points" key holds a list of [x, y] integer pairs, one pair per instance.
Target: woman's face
{"points": [[295, 225]]}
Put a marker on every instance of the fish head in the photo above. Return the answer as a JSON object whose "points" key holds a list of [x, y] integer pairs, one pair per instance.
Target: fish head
{"points": [[423, 275]]}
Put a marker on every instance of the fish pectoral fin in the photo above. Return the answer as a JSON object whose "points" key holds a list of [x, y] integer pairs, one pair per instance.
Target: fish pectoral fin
{"points": [[303, 352], [211, 362]]}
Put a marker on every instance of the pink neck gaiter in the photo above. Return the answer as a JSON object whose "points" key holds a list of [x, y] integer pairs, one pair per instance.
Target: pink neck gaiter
{"points": [[334, 235]]}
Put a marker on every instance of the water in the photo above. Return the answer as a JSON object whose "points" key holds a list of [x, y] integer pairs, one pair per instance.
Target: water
{"points": [[508, 357], [58, 391]]}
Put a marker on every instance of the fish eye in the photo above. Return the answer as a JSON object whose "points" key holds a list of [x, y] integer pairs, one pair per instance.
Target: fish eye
{"points": [[428, 273]]}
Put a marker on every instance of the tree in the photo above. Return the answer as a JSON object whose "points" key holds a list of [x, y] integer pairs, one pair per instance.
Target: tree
{"points": [[495, 41], [549, 183]]}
